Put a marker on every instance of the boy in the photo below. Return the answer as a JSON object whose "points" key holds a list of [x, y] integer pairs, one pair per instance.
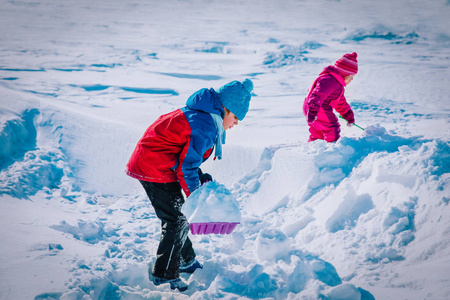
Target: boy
{"points": [[167, 160]]}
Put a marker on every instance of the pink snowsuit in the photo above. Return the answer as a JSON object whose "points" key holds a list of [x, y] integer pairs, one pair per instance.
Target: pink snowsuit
{"points": [[326, 93]]}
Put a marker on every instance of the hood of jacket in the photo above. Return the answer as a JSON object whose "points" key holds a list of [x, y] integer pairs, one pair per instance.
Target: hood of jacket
{"points": [[206, 100], [331, 70]]}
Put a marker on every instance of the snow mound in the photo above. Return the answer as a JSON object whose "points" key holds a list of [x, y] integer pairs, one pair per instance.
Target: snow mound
{"points": [[25, 168], [17, 136], [323, 165], [289, 55], [90, 232], [39, 169], [346, 292], [272, 244]]}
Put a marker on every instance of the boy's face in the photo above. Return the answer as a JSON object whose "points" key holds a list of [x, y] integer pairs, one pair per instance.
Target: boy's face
{"points": [[229, 120]]}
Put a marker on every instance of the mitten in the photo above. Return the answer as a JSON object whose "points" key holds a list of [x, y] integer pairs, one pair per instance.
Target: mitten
{"points": [[349, 117], [204, 177], [311, 119]]}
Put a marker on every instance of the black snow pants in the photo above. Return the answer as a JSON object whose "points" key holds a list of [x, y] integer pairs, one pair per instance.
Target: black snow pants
{"points": [[175, 247]]}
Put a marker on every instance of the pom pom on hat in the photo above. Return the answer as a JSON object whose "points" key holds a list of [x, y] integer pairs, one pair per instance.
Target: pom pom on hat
{"points": [[347, 64], [235, 96], [248, 85]]}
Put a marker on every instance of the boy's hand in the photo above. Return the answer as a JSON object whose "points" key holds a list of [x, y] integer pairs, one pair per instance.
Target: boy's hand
{"points": [[205, 178]]}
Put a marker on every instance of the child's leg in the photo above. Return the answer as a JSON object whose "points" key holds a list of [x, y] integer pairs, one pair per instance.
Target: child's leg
{"points": [[187, 252], [167, 200], [332, 134], [315, 134]]}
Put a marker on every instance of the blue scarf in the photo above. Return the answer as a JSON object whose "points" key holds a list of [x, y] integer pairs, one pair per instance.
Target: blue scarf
{"points": [[221, 139]]}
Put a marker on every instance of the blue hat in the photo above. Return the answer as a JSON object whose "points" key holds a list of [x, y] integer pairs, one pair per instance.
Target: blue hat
{"points": [[235, 96]]}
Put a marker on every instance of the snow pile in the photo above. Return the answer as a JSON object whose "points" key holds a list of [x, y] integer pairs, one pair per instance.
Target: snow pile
{"points": [[212, 202], [90, 232], [288, 55], [272, 244], [40, 169], [26, 169], [17, 136]]}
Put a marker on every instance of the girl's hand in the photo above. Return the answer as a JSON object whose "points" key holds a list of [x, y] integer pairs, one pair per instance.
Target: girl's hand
{"points": [[311, 119]]}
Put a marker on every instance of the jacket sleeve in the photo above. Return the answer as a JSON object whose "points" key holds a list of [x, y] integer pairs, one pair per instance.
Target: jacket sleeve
{"points": [[322, 89], [344, 109], [201, 139]]}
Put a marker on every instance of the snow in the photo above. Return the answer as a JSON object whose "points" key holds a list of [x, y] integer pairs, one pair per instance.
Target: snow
{"points": [[212, 202], [367, 217]]}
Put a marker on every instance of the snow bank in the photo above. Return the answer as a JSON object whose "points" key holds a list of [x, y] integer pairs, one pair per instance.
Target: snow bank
{"points": [[17, 136], [316, 166], [26, 168], [37, 170]]}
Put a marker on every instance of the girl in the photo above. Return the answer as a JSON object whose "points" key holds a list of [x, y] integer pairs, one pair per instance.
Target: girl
{"points": [[167, 160], [326, 93]]}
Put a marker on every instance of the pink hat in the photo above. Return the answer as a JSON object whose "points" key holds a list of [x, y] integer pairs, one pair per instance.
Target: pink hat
{"points": [[347, 64]]}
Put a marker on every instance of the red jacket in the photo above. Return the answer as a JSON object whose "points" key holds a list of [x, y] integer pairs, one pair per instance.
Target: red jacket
{"points": [[175, 145], [326, 93]]}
